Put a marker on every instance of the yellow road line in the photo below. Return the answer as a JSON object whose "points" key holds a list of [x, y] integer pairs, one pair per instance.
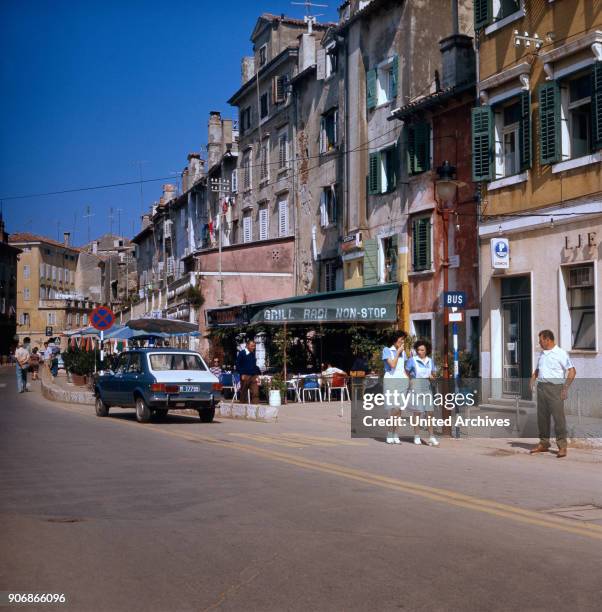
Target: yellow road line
{"points": [[323, 440], [446, 496], [268, 439]]}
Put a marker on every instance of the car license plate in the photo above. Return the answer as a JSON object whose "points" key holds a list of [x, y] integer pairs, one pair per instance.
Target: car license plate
{"points": [[189, 388]]}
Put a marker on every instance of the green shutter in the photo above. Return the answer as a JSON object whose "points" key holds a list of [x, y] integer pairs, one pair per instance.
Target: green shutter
{"points": [[370, 262], [393, 257], [597, 105], [482, 13], [549, 123], [421, 244], [524, 130], [419, 147], [371, 88], [394, 76], [482, 143], [374, 183]]}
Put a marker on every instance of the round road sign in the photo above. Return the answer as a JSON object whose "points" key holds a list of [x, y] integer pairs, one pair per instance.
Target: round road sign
{"points": [[102, 318]]}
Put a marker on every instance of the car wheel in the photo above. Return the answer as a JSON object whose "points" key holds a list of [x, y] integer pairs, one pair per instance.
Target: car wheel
{"points": [[143, 414], [161, 413], [102, 410], [206, 414]]}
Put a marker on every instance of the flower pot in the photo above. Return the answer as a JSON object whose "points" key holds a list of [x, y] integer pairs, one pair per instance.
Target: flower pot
{"points": [[275, 399], [79, 380]]}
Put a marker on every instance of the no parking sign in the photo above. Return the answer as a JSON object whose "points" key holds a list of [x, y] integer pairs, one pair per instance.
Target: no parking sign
{"points": [[102, 318]]}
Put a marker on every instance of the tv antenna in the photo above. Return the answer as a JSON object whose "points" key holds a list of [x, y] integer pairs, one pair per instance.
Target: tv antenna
{"points": [[310, 19], [87, 216]]}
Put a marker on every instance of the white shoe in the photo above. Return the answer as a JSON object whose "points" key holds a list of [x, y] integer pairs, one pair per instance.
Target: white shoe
{"points": [[390, 440], [396, 440], [433, 441], [417, 440]]}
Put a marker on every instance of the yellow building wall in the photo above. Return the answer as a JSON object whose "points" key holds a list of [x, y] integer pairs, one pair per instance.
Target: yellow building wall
{"points": [[567, 20]]}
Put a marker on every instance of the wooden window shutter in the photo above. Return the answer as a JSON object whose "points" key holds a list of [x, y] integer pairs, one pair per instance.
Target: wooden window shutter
{"points": [[263, 224], [374, 181], [283, 229], [597, 105], [482, 143], [394, 75], [419, 147], [483, 12], [524, 130], [549, 123], [371, 88], [370, 262], [421, 243]]}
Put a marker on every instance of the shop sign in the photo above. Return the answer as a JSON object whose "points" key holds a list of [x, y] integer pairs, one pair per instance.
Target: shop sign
{"points": [[500, 253]]}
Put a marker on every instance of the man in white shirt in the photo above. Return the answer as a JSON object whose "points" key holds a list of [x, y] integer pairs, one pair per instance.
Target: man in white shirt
{"points": [[554, 374], [22, 359]]}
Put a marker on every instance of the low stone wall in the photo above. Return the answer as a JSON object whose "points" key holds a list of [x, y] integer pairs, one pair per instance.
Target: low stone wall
{"points": [[51, 391]]}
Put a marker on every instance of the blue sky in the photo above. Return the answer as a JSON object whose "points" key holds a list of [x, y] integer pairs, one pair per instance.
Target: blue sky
{"points": [[89, 88]]}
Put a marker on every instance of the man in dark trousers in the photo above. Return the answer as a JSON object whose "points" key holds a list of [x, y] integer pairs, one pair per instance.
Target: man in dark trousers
{"points": [[246, 366]]}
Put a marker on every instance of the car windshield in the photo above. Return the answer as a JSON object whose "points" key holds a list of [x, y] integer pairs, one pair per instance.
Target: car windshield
{"points": [[176, 361]]}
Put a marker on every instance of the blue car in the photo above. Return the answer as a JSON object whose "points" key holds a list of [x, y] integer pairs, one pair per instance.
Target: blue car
{"points": [[155, 381]]}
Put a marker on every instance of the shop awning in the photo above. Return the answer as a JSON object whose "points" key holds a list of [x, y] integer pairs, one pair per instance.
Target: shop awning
{"points": [[375, 304]]}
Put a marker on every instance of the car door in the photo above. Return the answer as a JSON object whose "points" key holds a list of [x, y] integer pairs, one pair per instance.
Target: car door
{"points": [[131, 378], [118, 395]]}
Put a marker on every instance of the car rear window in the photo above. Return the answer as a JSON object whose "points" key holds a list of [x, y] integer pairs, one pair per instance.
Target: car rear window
{"points": [[176, 361]]}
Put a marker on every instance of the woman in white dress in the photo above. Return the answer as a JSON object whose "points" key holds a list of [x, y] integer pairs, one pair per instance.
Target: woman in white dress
{"points": [[421, 370], [395, 377]]}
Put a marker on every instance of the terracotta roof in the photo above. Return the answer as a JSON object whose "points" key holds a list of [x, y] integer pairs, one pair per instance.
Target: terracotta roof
{"points": [[23, 237], [293, 21]]}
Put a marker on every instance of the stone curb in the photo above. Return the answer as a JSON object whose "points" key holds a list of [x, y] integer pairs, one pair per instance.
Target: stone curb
{"points": [[54, 393]]}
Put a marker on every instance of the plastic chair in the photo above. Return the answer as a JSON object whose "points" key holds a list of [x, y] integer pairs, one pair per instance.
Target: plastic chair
{"points": [[228, 381], [338, 382], [293, 385], [311, 385]]}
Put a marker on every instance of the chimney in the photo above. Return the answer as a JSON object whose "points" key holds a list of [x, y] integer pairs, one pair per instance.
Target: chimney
{"points": [[66, 237], [214, 132], [247, 69], [458, 60], [307, 51], [169, 192]]}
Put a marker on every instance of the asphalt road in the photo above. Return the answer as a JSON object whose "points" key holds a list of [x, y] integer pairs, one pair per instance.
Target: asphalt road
{"points": [[292, 515]]}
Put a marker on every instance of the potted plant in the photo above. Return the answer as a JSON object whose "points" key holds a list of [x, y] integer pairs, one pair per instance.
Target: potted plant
{"points": [[274, 389]]}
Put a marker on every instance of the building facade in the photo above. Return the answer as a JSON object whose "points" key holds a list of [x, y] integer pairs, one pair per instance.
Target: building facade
{"points": [[537, 140], [49, 300], [8, 291]]}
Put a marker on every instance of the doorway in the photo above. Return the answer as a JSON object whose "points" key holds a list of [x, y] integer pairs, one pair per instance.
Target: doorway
{"points": [[516, 336]]}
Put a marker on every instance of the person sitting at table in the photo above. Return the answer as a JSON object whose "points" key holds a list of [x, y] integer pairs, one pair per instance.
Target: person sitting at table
{"points": [[330, 370], [215, 368]]}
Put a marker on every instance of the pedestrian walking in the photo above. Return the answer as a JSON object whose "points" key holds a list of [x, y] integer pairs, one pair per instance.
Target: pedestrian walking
{"points": [[395, 378], [22, 365], [421, 370], [554, 374], [34, 363], [246, 366]]}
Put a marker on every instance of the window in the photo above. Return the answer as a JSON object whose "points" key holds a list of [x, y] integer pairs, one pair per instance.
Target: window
{"points": [[42, 271], [263, 55], [234, 180], [53, 273], [383, 168], [283, 150], [332, 60], [581, 301], [26, 271], [381, 82], [264, 220], [264, 108], [135, 364], [264, 173], [84, 319], [328, 131], [51, 318], [421, 244], [423, 329], [419, 147], [247, 229], [246, 170], [329, 269], [487, 12], [77, 318], [328, 206], [26, 294], [60, 275], [569, 116], [43, 293], [245, 119], [24, 319], [69, 319], [175, 361], [279, 89], [283, 229], [501, 138], [388, 258]]}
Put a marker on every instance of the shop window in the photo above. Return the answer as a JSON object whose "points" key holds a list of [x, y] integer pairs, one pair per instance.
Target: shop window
{"points": [[581, 301]]}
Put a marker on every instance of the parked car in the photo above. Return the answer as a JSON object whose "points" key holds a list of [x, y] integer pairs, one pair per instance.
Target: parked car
{"points": [[156, 380]]}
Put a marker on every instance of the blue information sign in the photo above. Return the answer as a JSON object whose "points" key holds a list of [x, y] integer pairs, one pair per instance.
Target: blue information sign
{"points": [[454, 299]]}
